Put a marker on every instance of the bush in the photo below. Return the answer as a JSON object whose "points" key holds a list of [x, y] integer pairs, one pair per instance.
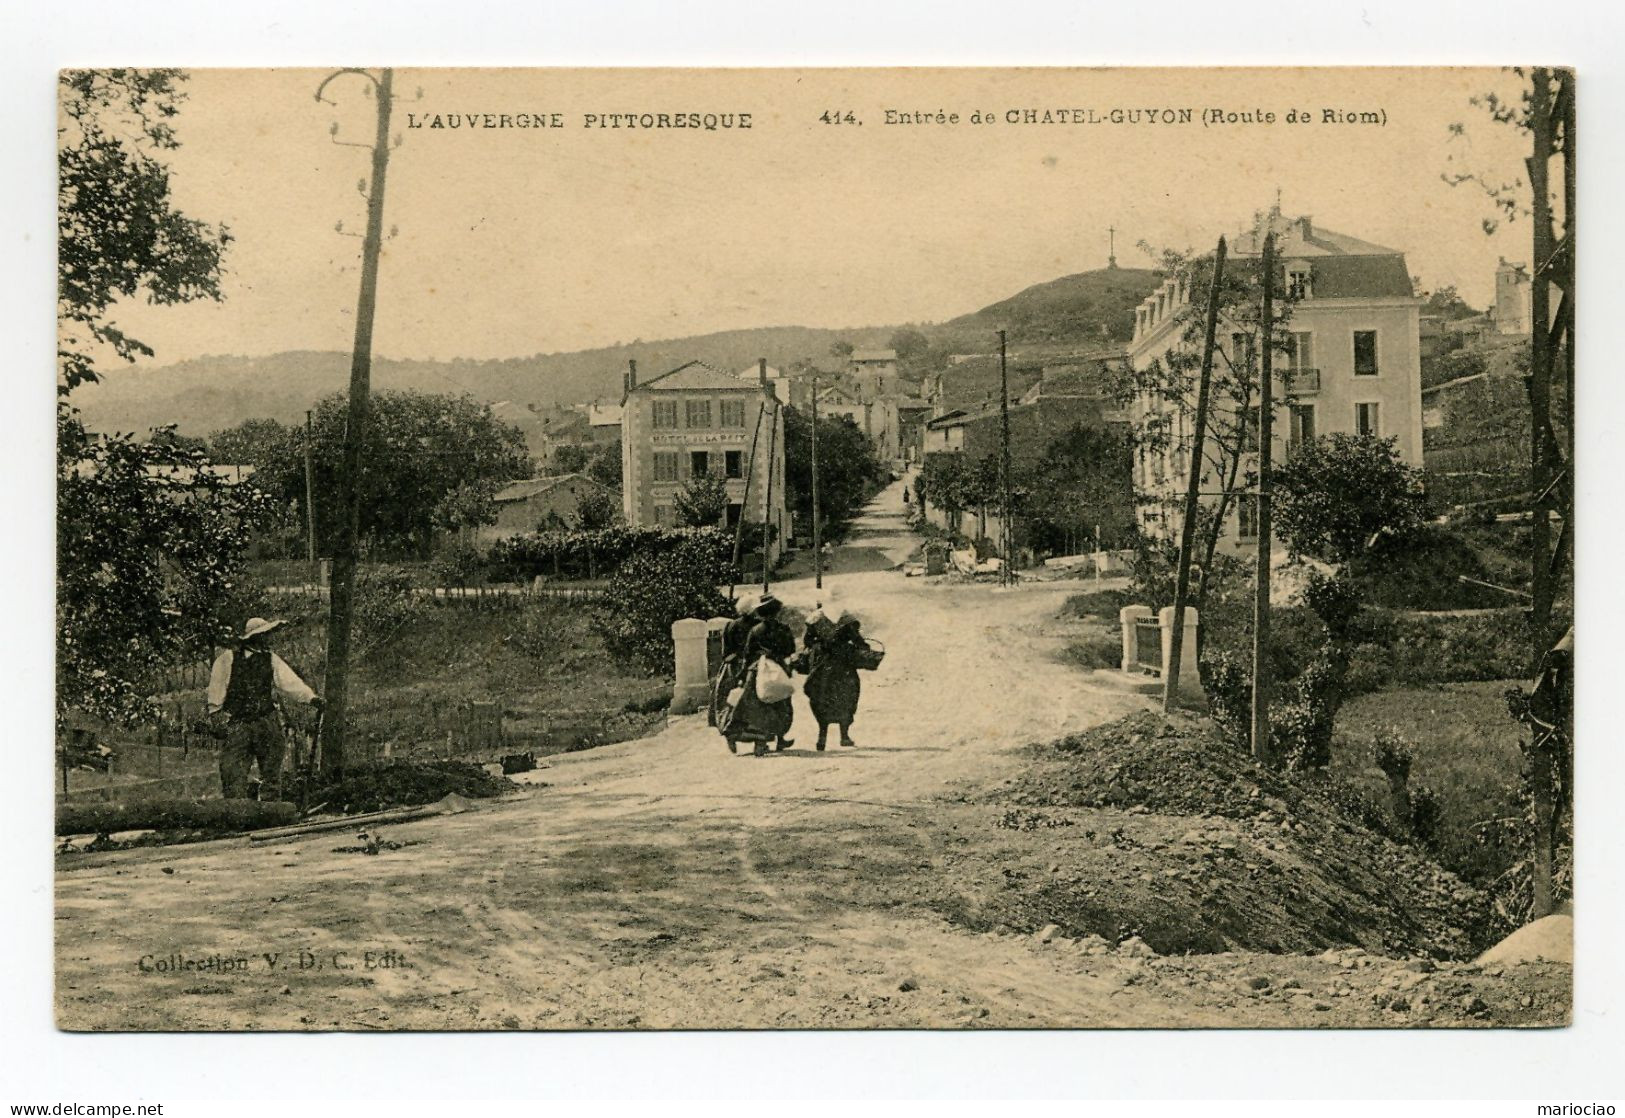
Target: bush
{"points": [[1096, 652], [595, 552], [651, 590], [459, 564], [214, 816], [1104, 604], [542, 632], [1423, 570], [1338, 491], [384, 602]]}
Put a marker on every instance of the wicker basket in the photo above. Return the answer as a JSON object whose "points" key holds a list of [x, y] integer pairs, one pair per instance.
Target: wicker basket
{"points": [[870, 657]]}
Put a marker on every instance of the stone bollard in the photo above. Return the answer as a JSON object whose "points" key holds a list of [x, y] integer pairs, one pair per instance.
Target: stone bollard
{"points": [[1127, 616], [1190, 679], [689, 640]]}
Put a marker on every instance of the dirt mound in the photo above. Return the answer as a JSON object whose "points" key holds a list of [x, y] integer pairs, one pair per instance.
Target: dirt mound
{"points": [[406, 784], [1154, 827], [1550, 938]]}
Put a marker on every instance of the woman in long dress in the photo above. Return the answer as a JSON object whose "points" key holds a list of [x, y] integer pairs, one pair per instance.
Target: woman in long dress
{"points": [[732, 669], [833, 687], [751, 719]]}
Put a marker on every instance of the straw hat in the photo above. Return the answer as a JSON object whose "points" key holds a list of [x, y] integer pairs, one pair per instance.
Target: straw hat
{"points": [[258, 625]]}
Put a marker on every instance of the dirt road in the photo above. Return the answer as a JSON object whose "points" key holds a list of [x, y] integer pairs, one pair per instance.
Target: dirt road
{"points": [[664, 883]]}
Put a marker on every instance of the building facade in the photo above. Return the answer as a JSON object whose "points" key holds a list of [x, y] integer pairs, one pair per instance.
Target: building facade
{"points": [[697, 421], [873, 372], [1353, 366], [530, 505], [1512, 298]]}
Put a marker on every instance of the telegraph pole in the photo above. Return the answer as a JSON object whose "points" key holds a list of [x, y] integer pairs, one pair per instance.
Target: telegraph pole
{"points": [[336, 685], [1187, 530], [310, 502], [1261, 603], [767, 511], [818, 535], [1004, 436]]}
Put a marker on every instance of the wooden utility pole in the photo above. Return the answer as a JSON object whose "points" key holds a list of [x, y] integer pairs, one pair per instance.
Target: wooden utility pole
{"points": [[1004, 438], [1540, 358], [744, 503], [310, 500], [336, 686], [818, 534], [1187, 530], [1261, 603], [767, 511]]}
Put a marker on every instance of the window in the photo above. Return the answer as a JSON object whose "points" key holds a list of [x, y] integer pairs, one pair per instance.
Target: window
{"points": [[1247, 516], [736, 512], [733, 413], [1241, 350], [664, 517], [699, 461], [1365, 420], [1249, 431], [698, 413], [1297, 283], [1365, 353], [1303, 351], [665, 413], [1300, 427], [733, 463], [665, 465]]}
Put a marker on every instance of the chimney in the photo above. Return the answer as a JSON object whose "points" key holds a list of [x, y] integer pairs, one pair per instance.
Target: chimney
{"points": [[631, 375], [761, 370], [1306, 226]]}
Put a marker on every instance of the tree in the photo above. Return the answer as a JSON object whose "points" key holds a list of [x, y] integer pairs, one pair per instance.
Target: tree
{"points": [[701, 502], [909, 343], [149, 549], [849, 471], [1162, 396], [1081, 482], [840, 349], [1445, 302], [420, 449], [597, 509], [118, 233], [149, 542], [465, 507], [1339, 491]]}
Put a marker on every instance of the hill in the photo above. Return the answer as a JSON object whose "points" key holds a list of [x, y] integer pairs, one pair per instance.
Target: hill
{"points": [[1085, 310], [208, 394]]}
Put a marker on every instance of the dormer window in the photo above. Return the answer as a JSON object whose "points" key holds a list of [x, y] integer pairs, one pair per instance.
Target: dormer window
{"points": [[1298, 285]]}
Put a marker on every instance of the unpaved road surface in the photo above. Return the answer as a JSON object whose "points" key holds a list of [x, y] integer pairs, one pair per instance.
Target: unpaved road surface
{"points": [[664, 883]]}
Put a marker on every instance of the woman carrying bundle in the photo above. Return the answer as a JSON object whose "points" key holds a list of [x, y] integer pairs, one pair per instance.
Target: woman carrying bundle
{"points": [[832, 684], [768, 648]]}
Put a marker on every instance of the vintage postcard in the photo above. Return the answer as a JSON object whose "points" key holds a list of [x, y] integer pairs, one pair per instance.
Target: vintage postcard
{"points": [[830, 548]]}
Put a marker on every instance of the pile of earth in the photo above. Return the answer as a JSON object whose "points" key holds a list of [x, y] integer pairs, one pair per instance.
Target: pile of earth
{"points": [[1153, 826], [405, 784]]}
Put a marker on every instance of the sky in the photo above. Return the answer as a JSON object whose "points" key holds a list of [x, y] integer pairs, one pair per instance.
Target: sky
{"points": [[517, 241]]}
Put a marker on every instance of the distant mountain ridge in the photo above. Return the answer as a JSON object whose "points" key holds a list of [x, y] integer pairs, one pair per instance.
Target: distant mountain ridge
{"points": [[208, 394]]}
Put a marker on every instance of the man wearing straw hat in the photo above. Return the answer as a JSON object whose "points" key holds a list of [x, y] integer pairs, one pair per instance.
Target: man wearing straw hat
{"points": [[243, 686]]}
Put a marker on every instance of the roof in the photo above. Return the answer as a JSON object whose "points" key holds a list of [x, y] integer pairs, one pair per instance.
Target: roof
{"points": [[531, 487], [695, 375], [874, 355], [947, 418], [1300, 237], [754, 372], [604, 415], [1341, 266]]}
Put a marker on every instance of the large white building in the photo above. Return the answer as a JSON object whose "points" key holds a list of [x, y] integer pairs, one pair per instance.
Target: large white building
{"points": [[1353, 366]]}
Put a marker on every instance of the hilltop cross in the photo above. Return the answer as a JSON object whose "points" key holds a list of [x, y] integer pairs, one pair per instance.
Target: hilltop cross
{"points": [[1111, 250]]}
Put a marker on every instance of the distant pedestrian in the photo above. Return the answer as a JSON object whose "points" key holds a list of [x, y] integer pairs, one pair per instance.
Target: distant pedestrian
{"points": [[752, 719], [243, 686], [833, 687]]}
